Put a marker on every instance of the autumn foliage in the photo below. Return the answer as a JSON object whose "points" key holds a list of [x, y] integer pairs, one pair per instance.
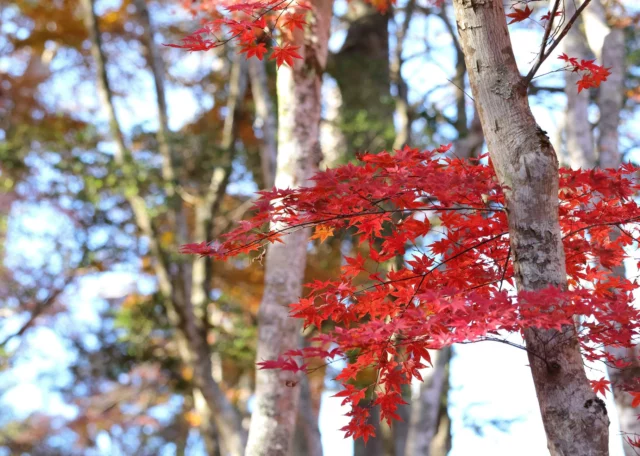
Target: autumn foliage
{"points": [[256, 25], [447, 219], [447, 222]]}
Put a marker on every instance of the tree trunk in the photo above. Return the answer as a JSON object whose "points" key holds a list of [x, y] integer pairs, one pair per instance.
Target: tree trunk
{"points": [[308, 438], [608, 46], [427, 406], [265, 113], [403, 113], [299, 109], [191, 338], [581, 152], [373, 446], [575, 420], [361, 69]]}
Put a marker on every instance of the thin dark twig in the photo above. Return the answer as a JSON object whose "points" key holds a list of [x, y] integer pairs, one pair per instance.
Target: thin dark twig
{"points": [[543, 57], [504, 268]]}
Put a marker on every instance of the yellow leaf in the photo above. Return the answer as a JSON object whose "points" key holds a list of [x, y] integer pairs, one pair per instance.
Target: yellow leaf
{"points": [[193, 418], [187, 373], [167, 238], [322, 232]]}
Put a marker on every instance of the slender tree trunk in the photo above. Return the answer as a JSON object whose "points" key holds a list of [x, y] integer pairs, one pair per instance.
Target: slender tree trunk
{"points": [[374, 446], [403, 112], [575, 419], [608, 46], [265, 113], [299, 108], [427, 404], [361, 69], [179, 306], [308, 439], [581, 151], [610, 103]]}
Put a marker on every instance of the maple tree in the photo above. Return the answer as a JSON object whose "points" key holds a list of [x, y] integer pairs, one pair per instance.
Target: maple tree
{"points": [[452, 289], [456, 284], [138, 337]]}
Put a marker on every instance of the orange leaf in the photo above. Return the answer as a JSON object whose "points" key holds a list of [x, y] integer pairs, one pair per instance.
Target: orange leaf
{"points": [[322, 232]]}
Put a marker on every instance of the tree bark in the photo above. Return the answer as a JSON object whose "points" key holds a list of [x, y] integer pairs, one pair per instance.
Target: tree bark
{"points": [[581, 152], [308, 438], [361, 69], [373, 446], [427, 406], [607, 45], [403, 112], [265, 113], [299, 109], [575, 420]]}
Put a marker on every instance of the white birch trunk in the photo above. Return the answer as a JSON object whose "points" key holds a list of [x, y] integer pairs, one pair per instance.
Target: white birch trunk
{"points": [[299, 107], [575, 420]]}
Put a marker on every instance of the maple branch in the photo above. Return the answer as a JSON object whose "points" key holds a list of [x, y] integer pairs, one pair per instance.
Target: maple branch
{"points": [[442, 263], [616, 223], [547, 31], [293, 228], [544, 55], [39, 309], [506, 342]]}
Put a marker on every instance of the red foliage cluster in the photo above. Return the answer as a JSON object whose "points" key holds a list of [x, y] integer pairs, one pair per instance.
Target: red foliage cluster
{"points": [[254, 24], [446, 218], [593, 74]]}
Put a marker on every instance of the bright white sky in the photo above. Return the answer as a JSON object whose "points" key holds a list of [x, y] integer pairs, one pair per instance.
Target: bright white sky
{"points": [[489, 381]]}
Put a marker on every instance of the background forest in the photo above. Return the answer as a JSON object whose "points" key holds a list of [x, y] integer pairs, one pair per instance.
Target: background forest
{"points": [[115, 150]]}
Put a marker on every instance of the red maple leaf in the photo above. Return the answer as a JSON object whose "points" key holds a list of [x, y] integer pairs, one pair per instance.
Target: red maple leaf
{"points": [[293, 21], [520, 15], [547, 16], [284, 363], [194, 43], [593, 74], [600, 386], [258, 50], [285, 54]]}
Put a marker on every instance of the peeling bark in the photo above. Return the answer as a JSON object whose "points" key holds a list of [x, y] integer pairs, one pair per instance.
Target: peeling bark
{"points": [[575, 419], [299, 109]]}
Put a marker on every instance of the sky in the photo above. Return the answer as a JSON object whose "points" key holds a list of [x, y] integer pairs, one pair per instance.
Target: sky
{"points": [[489, 382]]}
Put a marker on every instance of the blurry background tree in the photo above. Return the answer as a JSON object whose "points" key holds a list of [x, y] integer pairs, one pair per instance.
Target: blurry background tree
{"points": [[115, 150]]}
